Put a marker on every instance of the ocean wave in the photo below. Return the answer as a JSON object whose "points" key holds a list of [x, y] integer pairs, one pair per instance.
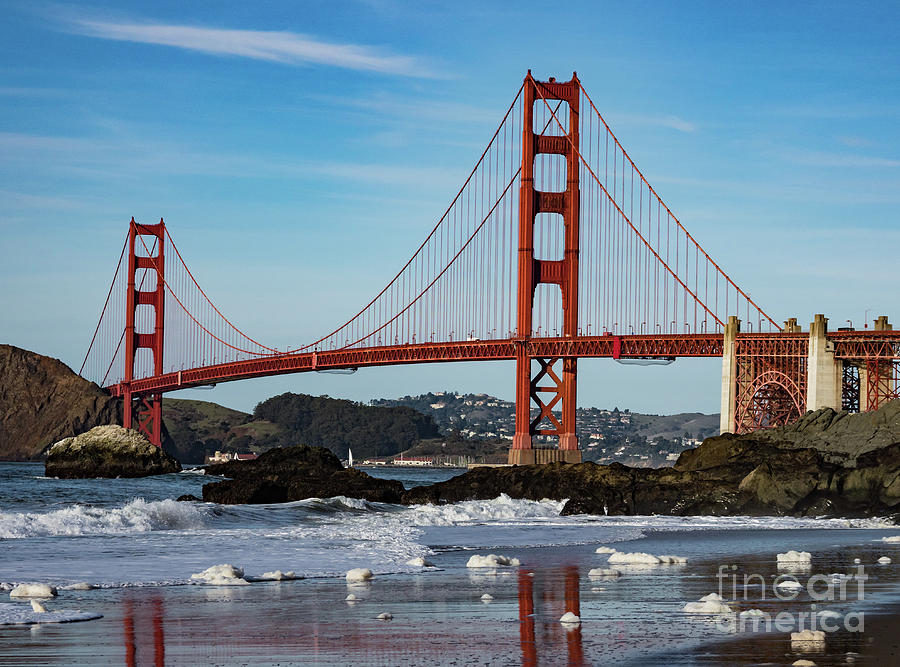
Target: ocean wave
{"points": [[138, 516], [500, 509]]}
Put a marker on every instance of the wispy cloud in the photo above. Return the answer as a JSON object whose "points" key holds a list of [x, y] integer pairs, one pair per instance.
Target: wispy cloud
{"points": [[126, 157], [666, 121], [856, 142], [284, 47], [811, 158], [8, 91]]}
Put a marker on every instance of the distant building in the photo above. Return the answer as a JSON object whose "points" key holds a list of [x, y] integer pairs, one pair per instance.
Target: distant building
{"points": [[414, 461], [225, 457]]}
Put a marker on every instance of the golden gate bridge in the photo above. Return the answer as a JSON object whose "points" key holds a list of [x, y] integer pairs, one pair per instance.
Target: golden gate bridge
{"points": [[555, 248]]}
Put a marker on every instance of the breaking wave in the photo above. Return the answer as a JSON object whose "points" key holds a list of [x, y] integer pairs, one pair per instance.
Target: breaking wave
{"points": [[138, 516]]}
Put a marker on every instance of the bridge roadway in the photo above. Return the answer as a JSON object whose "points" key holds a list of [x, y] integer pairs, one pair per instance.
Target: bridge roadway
{"points": [[608, 346], [848, 345]]}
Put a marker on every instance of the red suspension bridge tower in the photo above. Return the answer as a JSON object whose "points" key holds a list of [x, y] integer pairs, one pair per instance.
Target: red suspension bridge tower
{"points": [[557, 385], [146, 407]]}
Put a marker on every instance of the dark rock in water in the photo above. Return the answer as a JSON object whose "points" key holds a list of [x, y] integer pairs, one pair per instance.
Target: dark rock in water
{"points": [[295, 473], [755, 474], [107, 451], [42, 401], [188, 498]]}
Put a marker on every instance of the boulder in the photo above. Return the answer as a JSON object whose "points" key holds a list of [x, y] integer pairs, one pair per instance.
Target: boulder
{"points": [[107, 451], [287, 474]]}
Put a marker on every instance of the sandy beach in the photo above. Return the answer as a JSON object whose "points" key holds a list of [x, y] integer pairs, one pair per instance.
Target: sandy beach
{"points": [[438, 616]]}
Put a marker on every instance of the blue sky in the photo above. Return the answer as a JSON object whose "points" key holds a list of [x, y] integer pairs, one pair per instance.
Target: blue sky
{"points": [[300, 151]]}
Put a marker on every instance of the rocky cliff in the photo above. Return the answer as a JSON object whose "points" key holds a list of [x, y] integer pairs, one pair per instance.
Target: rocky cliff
{"points": [[42, 401]]}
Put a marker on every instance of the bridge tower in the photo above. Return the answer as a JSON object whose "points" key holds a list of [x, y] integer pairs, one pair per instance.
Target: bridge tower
{"points": [[144, 411], [559, 387]]}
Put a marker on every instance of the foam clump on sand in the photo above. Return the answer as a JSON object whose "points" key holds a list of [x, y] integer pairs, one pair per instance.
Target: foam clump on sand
{"points": [[569, 618], [789, 584], [277, 575], [708, 604], [605, 550], [80, 586], [221, 575], [672, 560], [419, 562], [487, 597], [385, 616], [33, 591], [884, 560], [892, 539], [794, 557], [807, 639], [359, 574], [751, 613], [599, 572], [636, 558], [351, 599], [20, 614], [492, 560]]}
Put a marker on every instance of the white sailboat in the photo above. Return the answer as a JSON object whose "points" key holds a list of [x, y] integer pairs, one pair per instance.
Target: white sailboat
{"points": [[350, 461]]}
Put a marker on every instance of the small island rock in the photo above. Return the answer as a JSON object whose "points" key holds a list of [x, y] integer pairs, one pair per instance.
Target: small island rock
{"points": [[283, 475], [107, 451]]}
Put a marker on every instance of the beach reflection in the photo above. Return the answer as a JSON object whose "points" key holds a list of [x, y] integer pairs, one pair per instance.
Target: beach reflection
{"points": [[143, 638]]}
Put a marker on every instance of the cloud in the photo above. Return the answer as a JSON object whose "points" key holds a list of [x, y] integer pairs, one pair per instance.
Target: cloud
{"points": [[284, 47], [812, 158], [856, 142], [127, 157], [667, 121]]}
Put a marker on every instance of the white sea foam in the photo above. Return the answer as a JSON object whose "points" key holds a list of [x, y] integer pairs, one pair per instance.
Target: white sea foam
{"points": [[33, 591], [502, 508], [636, 558], [22, 614], [138, 516], [492, 560], [358, 574]]}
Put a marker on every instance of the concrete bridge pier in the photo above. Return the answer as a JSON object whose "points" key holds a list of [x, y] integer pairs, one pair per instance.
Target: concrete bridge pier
{"points": [[824, 375], [729, 376]]}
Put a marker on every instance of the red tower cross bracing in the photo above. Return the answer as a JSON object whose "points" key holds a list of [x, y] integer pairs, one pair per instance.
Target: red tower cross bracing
{"points": [[555, 248]]}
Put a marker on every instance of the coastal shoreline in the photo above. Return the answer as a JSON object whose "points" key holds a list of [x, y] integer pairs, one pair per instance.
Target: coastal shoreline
{"points": [[439, 617]]}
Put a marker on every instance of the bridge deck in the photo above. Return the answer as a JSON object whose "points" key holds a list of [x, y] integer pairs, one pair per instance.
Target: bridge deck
{"points": [[625, 347]]}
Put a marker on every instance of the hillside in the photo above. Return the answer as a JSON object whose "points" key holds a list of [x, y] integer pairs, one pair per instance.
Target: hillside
{"points": [[42, 401], [605, 435], [196, 429]]}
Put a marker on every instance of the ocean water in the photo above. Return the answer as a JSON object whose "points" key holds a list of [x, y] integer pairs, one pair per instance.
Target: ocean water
{"points": [[131, 532], [139, 547]]}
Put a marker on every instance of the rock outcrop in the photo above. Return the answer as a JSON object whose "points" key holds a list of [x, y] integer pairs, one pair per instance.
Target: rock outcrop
{"points": [[294, 473], [107, 451], [854, 472], [42, 401]]}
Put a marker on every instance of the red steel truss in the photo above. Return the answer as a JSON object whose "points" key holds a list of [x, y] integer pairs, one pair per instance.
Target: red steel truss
{"points": [[770, 380]]}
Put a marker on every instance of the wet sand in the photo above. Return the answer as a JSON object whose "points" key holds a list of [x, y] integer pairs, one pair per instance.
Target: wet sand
{"points": [[439, 618]]}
